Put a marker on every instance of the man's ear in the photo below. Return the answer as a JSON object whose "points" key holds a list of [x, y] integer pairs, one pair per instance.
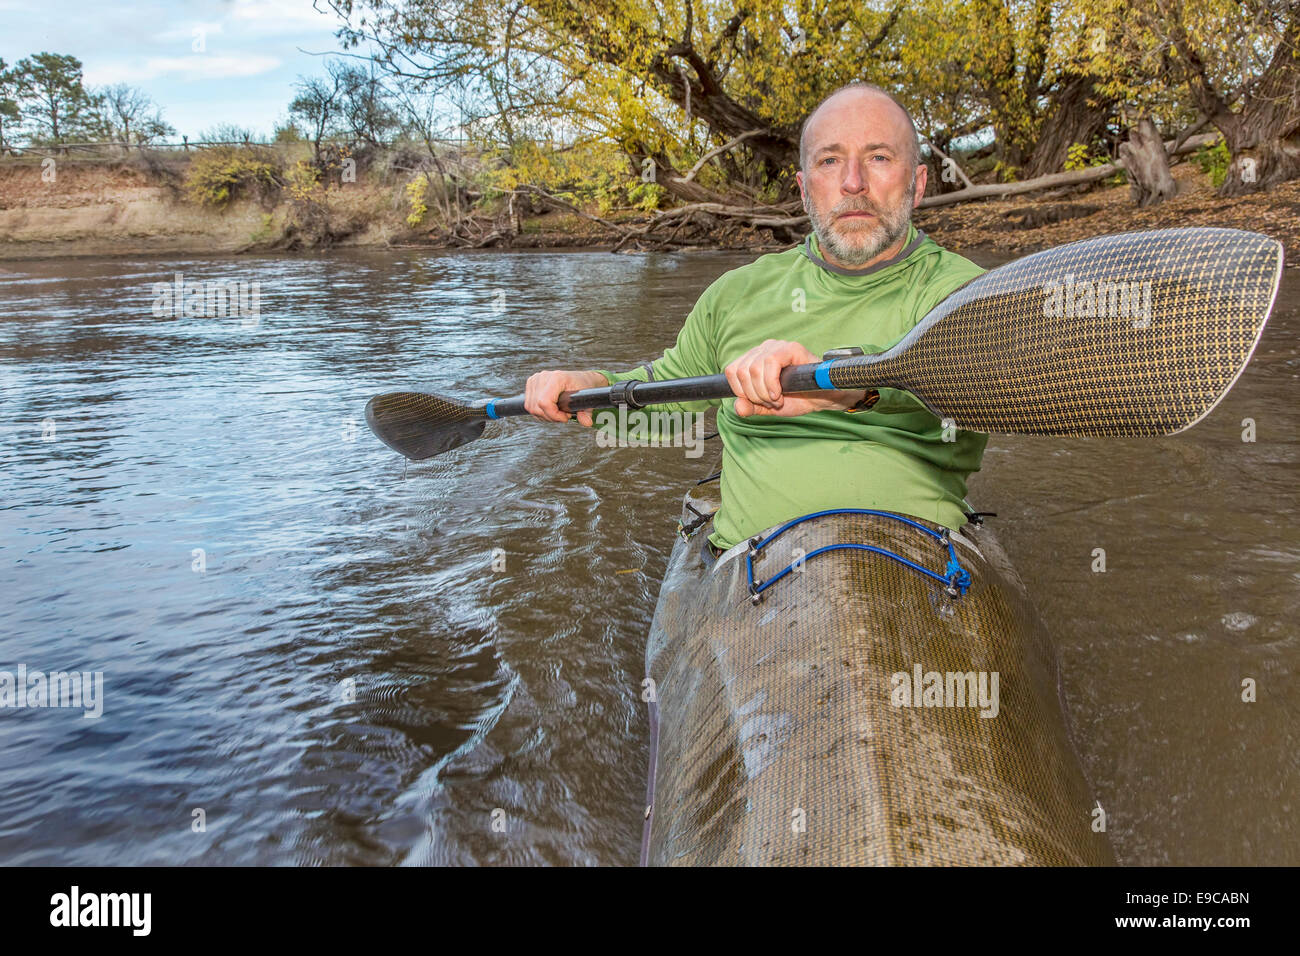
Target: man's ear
{"points": [[798, 177], [922, 177]]}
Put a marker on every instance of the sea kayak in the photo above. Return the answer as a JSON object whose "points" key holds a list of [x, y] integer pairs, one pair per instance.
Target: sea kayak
{"points": [[856, 687]]}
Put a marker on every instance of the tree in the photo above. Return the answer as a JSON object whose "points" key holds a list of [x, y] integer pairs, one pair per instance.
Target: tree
{"points": [[1031, 66], [317, 105], [365, 109], [53, 98], [10, 114], [728, 83], [673, 81], [422, 116], [287, 132], [227, 133], [1248, 86], [132, 116], [1235, 66], [669, 82]]}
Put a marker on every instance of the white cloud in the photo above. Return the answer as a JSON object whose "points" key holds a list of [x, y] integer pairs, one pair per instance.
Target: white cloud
{"points": [[200, 66], [283, 16]]}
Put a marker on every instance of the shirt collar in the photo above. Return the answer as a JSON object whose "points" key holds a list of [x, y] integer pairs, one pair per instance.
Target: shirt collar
{"points": [[811, 249]]}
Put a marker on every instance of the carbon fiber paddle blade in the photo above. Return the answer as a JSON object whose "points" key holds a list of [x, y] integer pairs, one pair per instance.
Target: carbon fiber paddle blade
{"points": [[420, 426], [1136, 334]]}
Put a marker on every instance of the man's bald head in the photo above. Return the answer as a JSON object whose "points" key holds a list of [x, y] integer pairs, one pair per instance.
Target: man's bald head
{"points": [[913, 142], [861, 175]]}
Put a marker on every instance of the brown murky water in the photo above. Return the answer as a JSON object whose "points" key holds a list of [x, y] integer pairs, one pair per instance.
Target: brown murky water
{"points": [[307, 641]]}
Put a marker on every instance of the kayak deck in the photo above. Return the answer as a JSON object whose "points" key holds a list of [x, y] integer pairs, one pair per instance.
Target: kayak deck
{"points": [[783, 731]]}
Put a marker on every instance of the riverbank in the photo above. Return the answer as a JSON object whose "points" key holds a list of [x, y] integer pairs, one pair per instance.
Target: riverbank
{"points": [[107, 209], [97, 209], [1014, 228]]}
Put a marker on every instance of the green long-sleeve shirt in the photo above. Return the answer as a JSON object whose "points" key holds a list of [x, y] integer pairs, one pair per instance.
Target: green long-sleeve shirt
{"points": [[893, 457]]}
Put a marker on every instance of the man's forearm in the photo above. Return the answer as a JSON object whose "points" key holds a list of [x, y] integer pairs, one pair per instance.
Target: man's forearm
{"points": [[846, 400]]}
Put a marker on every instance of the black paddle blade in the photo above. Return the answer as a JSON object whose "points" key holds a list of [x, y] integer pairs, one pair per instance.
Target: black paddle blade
{"points": [[420, 426], [1136, 334]]}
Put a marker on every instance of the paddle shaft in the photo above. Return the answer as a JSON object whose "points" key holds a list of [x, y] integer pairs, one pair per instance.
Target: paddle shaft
{"points": [[1139, 334], [794, 378]]}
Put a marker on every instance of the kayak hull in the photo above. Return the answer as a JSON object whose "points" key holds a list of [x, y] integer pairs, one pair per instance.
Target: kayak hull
{"points": [[858, 714]]}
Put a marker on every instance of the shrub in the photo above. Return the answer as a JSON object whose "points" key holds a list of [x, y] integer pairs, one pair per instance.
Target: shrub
{"points": [[1214, 161], [416, 194], [223, 173], [288, 132], [586, 172], [1082, 156], [1005, 172], [302, 180], [1076, 157], [646, 196]]}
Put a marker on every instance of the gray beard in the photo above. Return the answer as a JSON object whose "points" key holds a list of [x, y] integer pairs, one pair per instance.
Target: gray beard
{"points": [[860, 248]]}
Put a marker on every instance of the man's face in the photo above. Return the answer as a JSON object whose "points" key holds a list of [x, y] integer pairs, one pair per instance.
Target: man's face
{"points": [[860, 185]]}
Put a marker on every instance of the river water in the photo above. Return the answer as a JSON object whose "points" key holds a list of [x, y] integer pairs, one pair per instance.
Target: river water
{"points": [[311, 654]]}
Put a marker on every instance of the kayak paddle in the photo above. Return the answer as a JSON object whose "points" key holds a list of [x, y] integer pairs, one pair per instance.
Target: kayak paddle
{"points": [[1137, 334]]}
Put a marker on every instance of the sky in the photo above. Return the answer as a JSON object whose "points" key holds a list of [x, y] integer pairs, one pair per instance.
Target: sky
{"points": [[203, 61]]}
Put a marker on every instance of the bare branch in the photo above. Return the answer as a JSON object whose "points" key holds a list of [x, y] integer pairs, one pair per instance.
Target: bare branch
{"points": [[730, 144], [1074, 178], [949, 161]]}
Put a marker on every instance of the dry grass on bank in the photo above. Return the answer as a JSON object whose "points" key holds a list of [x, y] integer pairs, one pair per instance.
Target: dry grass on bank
{"points": [[140, 205]]}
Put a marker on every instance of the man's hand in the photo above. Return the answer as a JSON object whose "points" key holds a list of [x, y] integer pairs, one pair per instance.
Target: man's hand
{"points": [[544, 388], [755, 379]]}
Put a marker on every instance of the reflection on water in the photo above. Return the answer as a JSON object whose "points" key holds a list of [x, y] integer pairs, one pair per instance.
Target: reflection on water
{"points": [[307, 640]]}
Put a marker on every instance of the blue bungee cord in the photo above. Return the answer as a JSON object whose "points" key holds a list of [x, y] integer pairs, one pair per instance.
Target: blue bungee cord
{"points": [[955, 579]]}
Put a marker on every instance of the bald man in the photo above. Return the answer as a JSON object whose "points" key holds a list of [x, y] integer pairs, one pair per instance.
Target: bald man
{"points": [[864, 278]]}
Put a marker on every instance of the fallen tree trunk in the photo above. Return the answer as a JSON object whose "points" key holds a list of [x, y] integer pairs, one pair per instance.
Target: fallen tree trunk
{"points": [[787, 215], [563, 204], [1075, 178]]}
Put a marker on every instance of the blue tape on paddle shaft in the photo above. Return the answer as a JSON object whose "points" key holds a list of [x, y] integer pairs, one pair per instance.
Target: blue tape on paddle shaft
{"points": [[491, 409], [821, 373]]}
